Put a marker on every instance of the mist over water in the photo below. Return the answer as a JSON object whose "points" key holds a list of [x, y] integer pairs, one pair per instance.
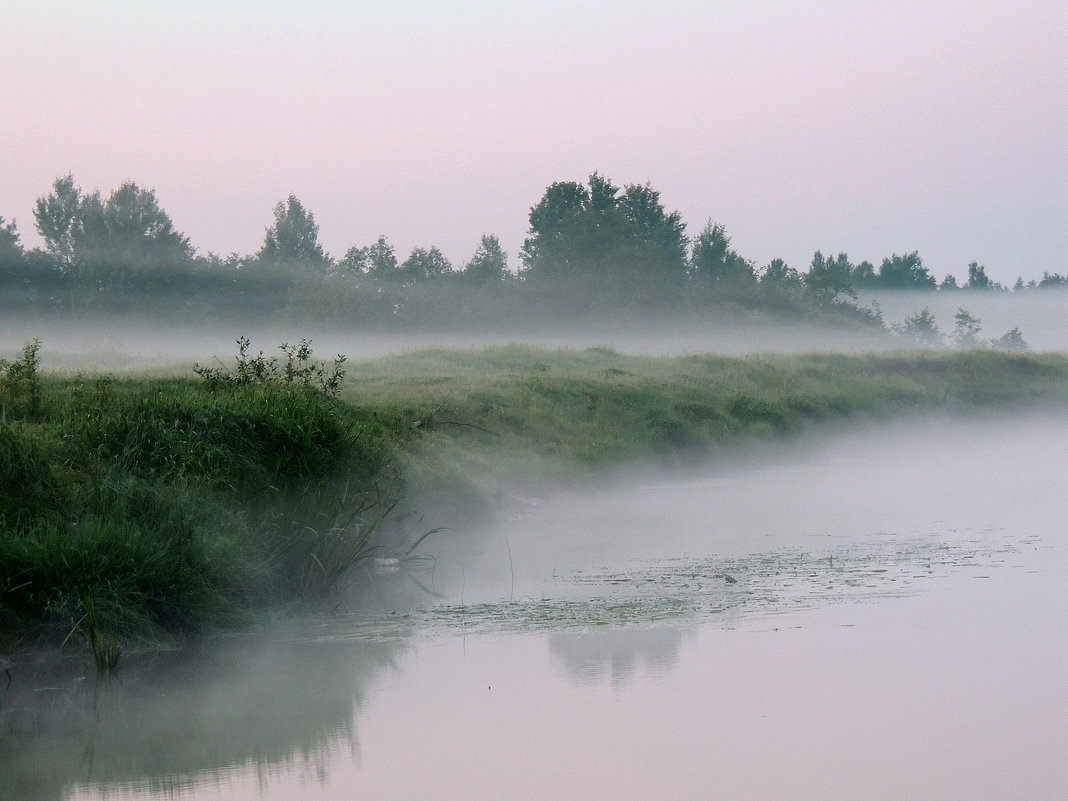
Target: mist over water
{"points": [[892, 626]]}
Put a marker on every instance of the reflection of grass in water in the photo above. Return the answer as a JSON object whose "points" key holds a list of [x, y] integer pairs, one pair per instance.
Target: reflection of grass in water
{"points": [[169, 721]]}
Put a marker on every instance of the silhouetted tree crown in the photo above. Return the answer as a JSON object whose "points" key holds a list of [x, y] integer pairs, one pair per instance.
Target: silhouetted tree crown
{"points": [[294, 237], [600, 238], [489, 264], [905, 272]]}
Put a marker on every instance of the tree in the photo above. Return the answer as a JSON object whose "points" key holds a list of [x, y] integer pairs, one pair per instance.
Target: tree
{"points": [[966, 330], [713, 262], [829, 278], [382, 260], [10, 246], [920, 329], [553, 241], [489, 264], [423, 265], [905, 272], [657, 237], [949, 282], [598, 238], [355, 263], [107, 242], [978, 279], [864, 275], [1011, 341], [57, 217], [293, 238], [778, 274], [12, 258], [133, 230]]}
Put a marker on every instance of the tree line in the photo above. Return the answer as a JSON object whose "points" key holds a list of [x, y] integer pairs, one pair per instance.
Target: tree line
{"points": [[594, 244]]}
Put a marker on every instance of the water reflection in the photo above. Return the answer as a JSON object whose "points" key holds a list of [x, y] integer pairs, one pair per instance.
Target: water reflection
{"points": [[617, 655], [172, 721]]}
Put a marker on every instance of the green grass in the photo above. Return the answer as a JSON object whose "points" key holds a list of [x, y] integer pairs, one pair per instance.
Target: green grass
{"points": [[597, 407], [137, 507], [159, 506]]}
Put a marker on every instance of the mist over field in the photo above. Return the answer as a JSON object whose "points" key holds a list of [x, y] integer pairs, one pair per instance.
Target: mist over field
{"points": [[501, 400], [139, 343]]}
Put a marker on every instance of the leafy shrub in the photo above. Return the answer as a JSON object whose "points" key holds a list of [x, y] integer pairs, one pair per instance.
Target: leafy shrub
{"points": [[20, 384], [298, 369]]}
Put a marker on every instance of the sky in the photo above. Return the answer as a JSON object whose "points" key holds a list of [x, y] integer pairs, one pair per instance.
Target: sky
{"points": [[801, 125]]}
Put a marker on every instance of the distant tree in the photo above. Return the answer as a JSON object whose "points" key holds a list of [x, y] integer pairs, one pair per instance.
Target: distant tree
{"points": [[423, 264], [106, 243], [1051, 280], [555, 239], [1011, 341], [621, 243], [713, 262], [1019, 285], [949, 282], [864, 275], [978, 279], [489, 264], [58, 217], [12, 257], [659, 238], [830, 277], [382, 261], [777, 273], [905, 272], [135, 231], [293, 238], [10, 246], [920, 329], [356, 262], [966, 328]]}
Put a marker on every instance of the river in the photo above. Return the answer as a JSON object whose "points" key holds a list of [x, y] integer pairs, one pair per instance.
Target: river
{"points": [[881, 614]]}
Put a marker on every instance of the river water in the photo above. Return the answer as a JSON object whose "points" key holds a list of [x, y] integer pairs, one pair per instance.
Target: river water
{"points": [[881, 615]]}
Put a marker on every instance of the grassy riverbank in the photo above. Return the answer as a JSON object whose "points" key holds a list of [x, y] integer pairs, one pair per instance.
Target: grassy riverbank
{"points": [[133, 507]]}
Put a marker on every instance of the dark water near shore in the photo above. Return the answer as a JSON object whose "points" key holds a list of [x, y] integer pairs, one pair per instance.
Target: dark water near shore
{"points": [[881, 616]]}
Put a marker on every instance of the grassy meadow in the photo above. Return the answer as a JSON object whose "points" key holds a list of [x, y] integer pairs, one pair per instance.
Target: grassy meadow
{"points": [[134, 508]]}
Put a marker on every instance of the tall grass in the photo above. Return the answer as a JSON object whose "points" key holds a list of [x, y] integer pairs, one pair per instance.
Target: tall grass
{"points": [[135, 507]]}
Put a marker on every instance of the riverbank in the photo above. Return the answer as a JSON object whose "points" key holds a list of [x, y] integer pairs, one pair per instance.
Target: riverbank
{"points": [[135, 508]]}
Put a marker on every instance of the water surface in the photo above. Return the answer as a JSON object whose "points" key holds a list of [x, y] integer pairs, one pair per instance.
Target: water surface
{"points": [[881, 616]]}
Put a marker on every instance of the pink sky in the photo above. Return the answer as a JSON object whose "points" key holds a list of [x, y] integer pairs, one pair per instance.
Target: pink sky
{"points": [[872, 127]]}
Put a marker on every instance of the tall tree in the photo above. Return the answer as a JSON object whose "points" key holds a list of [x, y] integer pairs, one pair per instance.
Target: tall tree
{"points": [[57, 217], [779, 276], [382, 260], [864, 275], [713, 262], [136, 231], [105, 242], [966, 328], [830, 277], [489, 264], [554, 240], [294, 237], [661, 236], [621, 244], [12, 258], [423, 265], [978, 279], [905, 272]]}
